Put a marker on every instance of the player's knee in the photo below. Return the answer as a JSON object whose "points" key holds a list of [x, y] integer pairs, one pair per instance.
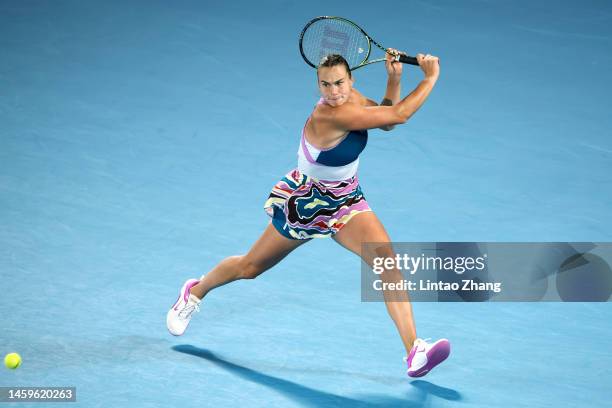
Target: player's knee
{"points": [[249, 269], [376, 254]]}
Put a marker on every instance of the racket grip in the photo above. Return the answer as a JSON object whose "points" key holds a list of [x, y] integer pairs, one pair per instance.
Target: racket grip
{"points": [[408, 60]]}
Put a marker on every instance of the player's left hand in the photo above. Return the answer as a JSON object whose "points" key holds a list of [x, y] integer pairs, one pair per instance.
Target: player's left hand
{"points": [[394, 68]]}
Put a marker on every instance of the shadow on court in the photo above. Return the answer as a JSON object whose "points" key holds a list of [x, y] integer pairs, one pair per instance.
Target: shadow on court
{"points": [[311, 397], [437, 391]]}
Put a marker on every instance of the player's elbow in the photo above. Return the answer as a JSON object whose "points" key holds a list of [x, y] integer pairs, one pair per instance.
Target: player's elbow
{"points": [[400, 117], [400, 120]]}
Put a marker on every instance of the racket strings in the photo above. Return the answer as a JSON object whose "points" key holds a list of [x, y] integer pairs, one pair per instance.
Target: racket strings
{"points": [[331, 36]]}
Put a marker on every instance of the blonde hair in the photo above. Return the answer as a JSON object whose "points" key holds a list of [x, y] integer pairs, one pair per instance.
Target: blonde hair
{"points": [[331, 60]]}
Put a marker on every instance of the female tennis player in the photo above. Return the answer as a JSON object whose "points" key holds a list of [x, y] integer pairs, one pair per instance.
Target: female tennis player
{"points": [[322, 197]]}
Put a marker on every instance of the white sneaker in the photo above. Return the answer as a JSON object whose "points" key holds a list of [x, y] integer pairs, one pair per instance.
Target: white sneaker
{"points": [[180, 314], [424, 356]]}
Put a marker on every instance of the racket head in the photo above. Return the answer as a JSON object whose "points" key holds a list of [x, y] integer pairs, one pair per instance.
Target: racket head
{"points": [[326, 35]]}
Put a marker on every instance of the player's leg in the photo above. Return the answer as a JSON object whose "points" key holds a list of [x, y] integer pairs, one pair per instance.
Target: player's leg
{"points": [[365, 227], [267, 251]]}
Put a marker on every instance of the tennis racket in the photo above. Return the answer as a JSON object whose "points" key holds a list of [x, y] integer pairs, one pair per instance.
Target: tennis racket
{"points": [[336, 35]]}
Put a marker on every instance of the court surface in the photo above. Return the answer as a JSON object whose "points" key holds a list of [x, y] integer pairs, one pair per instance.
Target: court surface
{"points": [[139, 140]]}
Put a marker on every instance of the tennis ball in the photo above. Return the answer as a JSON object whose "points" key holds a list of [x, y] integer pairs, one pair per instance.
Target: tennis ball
{"points": [[12, 360]]}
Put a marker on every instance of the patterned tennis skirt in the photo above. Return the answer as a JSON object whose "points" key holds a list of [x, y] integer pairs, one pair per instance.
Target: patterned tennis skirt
{"points": [[303, 207]]}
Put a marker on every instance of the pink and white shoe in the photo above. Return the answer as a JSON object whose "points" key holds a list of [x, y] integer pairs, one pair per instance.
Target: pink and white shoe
{"points": [[424, 356], [179, 315]]}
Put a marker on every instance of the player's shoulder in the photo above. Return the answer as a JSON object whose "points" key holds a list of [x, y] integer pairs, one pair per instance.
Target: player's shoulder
{"points": [[326, 112], [361, 99]]}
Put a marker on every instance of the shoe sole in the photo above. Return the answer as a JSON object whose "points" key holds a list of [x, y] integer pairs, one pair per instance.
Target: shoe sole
{"points": [[435, 356]]}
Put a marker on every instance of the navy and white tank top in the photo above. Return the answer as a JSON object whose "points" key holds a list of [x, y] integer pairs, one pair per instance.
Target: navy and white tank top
{"points": [[339, 162]]}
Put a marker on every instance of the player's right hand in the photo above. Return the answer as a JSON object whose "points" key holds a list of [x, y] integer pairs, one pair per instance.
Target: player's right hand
{"points": [[429, 64]]}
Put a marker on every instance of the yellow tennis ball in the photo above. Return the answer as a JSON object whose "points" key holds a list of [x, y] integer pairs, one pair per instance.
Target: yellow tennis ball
{"points": [[12, 360]]}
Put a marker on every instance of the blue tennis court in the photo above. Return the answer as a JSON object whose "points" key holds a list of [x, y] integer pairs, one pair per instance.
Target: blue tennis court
{"points": [[139, 141]]}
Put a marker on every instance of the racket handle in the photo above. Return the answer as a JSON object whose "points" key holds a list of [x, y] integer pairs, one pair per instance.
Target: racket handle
{"points": [[408, 60]]}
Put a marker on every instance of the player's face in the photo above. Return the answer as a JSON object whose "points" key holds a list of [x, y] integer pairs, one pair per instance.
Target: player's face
{"points": [[335, 84]]}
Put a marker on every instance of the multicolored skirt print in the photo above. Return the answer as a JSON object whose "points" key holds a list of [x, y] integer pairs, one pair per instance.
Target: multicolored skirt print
{"points": [[303, 207]]}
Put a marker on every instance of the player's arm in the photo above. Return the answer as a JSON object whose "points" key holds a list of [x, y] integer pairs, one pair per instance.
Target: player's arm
{"points": [[394, 77], [365, 101], [350, 116], [392, 97], [369, 102]]}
